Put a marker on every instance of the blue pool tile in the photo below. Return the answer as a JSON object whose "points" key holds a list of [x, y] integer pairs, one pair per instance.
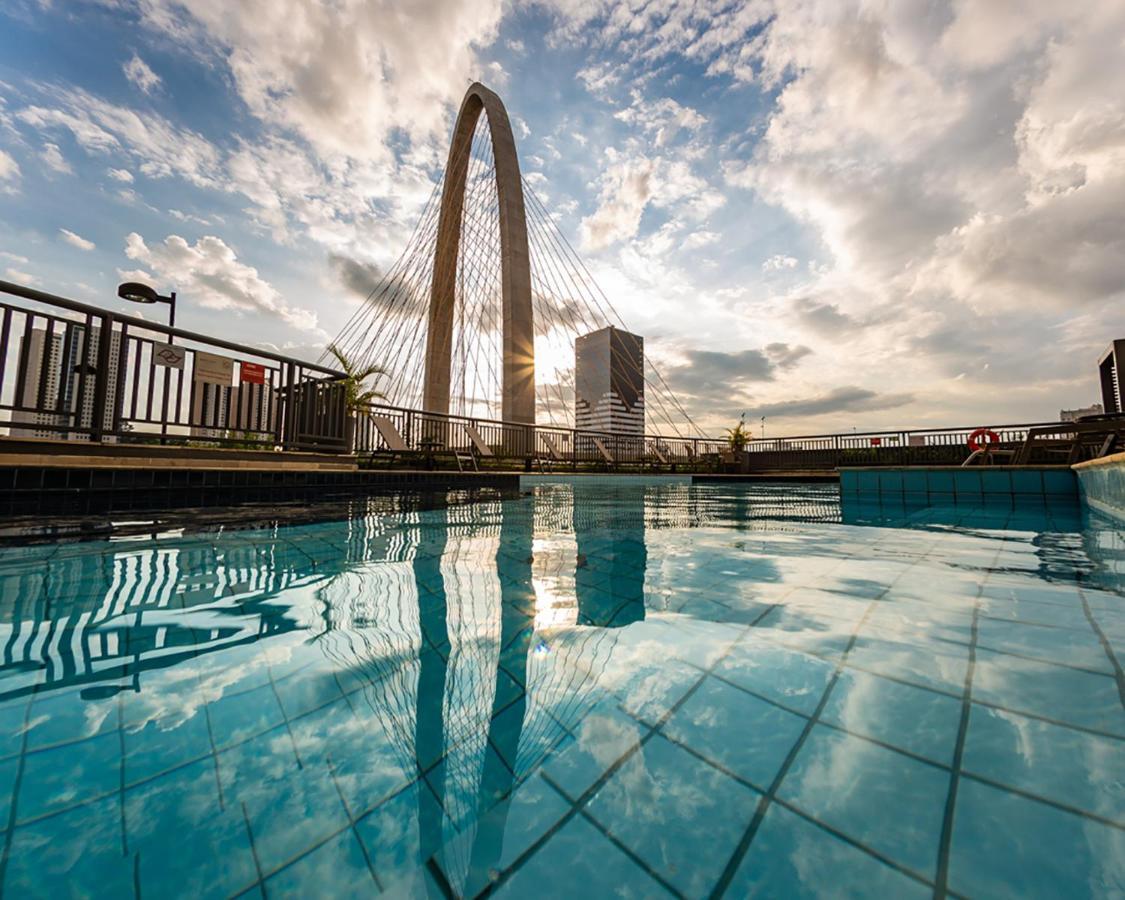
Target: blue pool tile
{"points": [[890, 482], [995, 481], [1065, 695], [64, 716], [868, 481], [940, 481], [403, 832], [967, 485], [1070, 767], [470, 780], [299, 695], [1027, 481], [914, 482], [849, 481], [236, 717], [789, 677], [911, 718], [76, 854], [339, 862], [501, 837], [913, 659], [579, 860], [1069, 646], [1059, 483], [682, 817], [60, 777], [212, 853], [892, 803], [290, 809], [791, 857], [156, 747], [650, 693], [736, 730], [602, 738], [1004, 844]]}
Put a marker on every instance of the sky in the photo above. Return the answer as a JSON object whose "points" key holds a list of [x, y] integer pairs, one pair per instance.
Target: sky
{"points": [[831, 214]]}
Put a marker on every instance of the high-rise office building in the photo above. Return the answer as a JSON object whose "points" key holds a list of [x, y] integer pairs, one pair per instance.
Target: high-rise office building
{"points": [[609, 384]]}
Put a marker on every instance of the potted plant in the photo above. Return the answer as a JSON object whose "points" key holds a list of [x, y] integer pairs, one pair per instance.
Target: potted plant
{"points": [[738, 437], [357, 395]]}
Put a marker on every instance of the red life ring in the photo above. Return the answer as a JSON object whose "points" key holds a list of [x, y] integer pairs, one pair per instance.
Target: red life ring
{"points": [[974, 438]]}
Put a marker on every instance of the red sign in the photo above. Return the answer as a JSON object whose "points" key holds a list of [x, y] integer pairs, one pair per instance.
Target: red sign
{"points": [[253, 373], [875, 442]]}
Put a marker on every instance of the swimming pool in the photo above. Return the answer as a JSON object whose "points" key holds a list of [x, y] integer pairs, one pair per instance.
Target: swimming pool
{"points": [[609, 687]]}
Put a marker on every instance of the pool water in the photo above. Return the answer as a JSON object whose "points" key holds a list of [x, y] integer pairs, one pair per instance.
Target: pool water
{"points": [[607, 688]]}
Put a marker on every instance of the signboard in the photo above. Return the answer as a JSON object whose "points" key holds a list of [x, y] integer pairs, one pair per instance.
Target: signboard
{"points": [[875, 442], [168, 355], [252, 373], [213, 369]]}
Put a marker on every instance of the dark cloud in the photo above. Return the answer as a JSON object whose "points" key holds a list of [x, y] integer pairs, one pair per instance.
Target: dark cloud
{"points": [[361, 278], [715, 374], [842, 399], [823, 318]]}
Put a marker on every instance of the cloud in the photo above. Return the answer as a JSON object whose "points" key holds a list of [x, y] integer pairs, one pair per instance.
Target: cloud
{"points": [[209, 272], [630, 184], [701, 238], [842, 399], [344, 76], [122, 175], [140, 75], [778, 262], [13, 274], [710, 373], [76, 240], [52, 156], [9, 172], [360, 278], [822, 318]]}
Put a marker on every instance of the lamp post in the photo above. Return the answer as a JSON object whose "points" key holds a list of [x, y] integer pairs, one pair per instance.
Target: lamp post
{"points": [[137, 292], [142, 293]]}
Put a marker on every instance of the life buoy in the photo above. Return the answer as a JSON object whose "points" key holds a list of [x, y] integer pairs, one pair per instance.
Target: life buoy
{"points": [[974, 439]]}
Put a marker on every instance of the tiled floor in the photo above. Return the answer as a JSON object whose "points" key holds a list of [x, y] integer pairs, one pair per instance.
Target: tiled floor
{"points": [[634, 691]]}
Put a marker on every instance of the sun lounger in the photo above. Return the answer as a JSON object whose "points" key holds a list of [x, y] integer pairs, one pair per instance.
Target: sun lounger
{"points": [[479, 442], [600, 444]]}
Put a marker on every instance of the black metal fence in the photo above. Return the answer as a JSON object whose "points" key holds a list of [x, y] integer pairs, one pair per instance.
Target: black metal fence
{"points": [[917, 447], [77, 372], [390, 429], [71, 371]]}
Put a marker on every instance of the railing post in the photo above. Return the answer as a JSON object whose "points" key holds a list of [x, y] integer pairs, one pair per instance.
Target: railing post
{"points": [[101, 378], [290, 416]]}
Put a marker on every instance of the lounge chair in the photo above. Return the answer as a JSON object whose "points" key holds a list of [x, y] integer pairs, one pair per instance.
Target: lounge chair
{"points": [[603, 450], [390, 435], [480, 445]]}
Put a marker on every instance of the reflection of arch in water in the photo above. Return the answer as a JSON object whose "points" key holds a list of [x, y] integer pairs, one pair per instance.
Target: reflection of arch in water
{"points": [[455, 680]]}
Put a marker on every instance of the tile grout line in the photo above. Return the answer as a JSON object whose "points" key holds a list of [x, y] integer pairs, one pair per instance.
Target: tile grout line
{"points": [[763, 805], [584, 797], [1107, 647], [352, 822], [941, 882]]}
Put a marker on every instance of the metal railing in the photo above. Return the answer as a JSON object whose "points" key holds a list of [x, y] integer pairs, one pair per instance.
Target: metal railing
{"points": [[72, 371], [918, 447], [424, 432]]}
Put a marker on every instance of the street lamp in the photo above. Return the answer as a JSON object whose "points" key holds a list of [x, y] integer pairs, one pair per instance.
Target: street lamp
{"points": [[142, 293]]}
